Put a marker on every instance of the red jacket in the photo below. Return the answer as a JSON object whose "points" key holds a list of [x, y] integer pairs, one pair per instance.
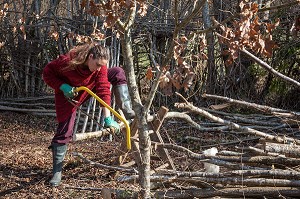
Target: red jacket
{"points": [[96, 81]]}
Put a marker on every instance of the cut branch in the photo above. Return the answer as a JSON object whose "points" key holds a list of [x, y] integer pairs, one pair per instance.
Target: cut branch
{"points": [[194, 124], [270, 69], [8, 108], [230, 192], [285, 149], [261, 182], [276, 173], [104, 166], [233, 125], [267, 109], [95, 134]]}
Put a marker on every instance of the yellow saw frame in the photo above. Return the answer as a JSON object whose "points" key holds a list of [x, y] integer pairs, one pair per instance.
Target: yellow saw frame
{"points": [[128, 141]]}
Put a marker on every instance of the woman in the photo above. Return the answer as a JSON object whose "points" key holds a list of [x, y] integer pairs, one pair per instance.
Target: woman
{"points": [[84, 65]]}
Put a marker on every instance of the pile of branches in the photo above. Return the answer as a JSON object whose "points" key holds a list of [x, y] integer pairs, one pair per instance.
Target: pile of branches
{"points": [[268, 168], [42, 105]]}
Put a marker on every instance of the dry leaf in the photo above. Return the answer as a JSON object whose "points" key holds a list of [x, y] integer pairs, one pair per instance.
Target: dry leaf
{"points": [[149, 73], [188, 82], [219, 106], [2, 44], [176, 82]]}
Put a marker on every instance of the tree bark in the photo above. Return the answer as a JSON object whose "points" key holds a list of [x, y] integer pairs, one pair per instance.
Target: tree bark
{"points": [[211, 67], [144, 139], [289, 150], [256, 192]]}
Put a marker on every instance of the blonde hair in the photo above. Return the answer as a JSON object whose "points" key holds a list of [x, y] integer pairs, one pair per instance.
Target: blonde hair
{"points": [[82, 52]]}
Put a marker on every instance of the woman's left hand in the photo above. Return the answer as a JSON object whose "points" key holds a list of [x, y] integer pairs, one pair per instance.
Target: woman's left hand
{"points": [[110, 122]]}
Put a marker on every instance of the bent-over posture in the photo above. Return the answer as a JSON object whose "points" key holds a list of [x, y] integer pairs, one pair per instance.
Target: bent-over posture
{"points": [[84, 65]]}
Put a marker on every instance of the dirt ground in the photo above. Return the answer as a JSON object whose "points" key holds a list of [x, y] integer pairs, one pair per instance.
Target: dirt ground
{"points": [[26, 163]]}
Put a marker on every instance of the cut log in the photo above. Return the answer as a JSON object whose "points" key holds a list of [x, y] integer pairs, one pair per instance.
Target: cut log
{"points": [[256, 192], [95, 134], [289, 150]]}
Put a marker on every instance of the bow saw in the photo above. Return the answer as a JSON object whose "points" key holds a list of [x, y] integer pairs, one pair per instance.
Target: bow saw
{"points": [[83, 88]]}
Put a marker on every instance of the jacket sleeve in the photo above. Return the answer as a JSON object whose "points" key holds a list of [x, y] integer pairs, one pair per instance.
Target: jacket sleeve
{"points": [[52, 74], [103, 85]]}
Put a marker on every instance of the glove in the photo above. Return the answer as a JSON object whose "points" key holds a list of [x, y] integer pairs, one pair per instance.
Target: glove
{"points": [[109, 122], [68, 90]]}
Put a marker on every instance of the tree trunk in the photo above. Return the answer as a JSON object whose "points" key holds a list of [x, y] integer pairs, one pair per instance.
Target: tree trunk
{"points": [[211, 68], [144, 139]]}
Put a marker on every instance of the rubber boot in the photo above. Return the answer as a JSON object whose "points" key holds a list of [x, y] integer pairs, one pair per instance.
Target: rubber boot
{"points": [[58, 152], [123, 100]]}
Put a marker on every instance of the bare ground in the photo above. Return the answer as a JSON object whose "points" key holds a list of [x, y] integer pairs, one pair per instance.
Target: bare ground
{"points": [[26, 162]]}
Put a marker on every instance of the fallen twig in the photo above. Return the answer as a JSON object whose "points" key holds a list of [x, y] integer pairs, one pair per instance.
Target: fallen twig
{"points": [[118, 168]]}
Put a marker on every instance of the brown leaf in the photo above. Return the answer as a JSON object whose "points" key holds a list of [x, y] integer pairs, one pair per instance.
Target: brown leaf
{"points": [[5, 6], [225, 52], [177, 51], [256, 24], [188, 82], [269, 46], [2, 44], [54, 35], [98, 36], [167, 90], [94, 9], [164, 69], [110, 20], [143, 9], [242, 4], [163, 81], [149, 73], [115, 6], [176, 83], [229, 61], [202, 43], [254, 7], [219, 106], [252, 33], [245, 28], [271, 27], [180, 60], [83, 3], [183, 39]]}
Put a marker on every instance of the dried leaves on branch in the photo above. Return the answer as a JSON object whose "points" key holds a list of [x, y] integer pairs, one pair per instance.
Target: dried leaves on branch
{"points": [[248, 32]]}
